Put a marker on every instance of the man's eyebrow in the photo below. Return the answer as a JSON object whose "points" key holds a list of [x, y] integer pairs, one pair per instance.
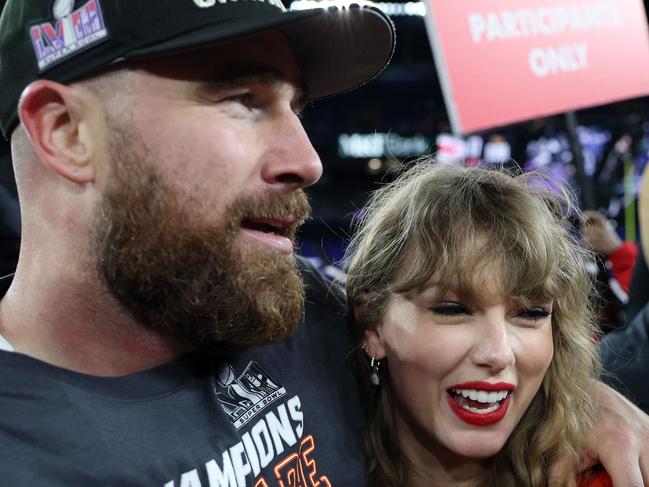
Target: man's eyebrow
{"points": [[231, 76]]}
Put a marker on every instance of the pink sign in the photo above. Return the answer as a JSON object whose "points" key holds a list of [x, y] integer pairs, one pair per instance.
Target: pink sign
{"points": [[504, 61]]}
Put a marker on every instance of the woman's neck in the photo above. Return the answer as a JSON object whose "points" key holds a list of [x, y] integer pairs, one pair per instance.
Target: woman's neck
{"points": [[436, 474], [432, 464]]}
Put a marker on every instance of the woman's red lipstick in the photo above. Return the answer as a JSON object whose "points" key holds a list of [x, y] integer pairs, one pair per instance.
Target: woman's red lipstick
{"points": [[480, 419]]}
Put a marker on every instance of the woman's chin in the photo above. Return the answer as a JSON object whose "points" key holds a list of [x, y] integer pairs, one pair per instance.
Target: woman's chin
{"points": [[478, 453], [479, 446]]}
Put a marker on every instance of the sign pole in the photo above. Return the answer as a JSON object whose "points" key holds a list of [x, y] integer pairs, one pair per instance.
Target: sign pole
{"points": [[629, 201], [585, 182]]}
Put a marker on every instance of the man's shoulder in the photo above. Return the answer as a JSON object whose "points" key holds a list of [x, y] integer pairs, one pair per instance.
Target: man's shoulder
{"points": [[324, 324], [28, 394], [320, 289], [625, 357], [632, 337], [17, 368]]}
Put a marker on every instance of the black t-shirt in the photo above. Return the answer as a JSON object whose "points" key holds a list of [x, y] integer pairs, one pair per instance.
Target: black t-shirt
{"points": [[625, 357], [283, 414]]}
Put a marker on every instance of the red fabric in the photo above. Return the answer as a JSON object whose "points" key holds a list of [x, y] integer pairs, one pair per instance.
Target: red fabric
{"points": [[623, 260], [595, 477]]}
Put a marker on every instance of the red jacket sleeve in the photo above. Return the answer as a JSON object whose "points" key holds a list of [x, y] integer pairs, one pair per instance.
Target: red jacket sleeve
{"points": [[595, 477], [622, 262]]}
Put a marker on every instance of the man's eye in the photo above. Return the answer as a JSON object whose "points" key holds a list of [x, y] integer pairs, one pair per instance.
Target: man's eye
{"points": [[243, 98], [535, 313], [449, 308]]}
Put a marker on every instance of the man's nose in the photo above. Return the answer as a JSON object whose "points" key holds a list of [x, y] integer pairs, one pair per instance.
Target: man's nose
{"points": [[291, 161], [493, 347]]}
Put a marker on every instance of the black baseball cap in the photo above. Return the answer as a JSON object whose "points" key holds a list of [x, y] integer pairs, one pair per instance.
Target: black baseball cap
{"points": [[336, 49]]}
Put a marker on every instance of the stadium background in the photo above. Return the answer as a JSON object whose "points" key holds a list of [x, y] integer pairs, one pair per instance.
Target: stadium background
{"points": [[362, 136]]}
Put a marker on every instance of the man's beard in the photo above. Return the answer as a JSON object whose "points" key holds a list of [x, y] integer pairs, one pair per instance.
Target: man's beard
{"points": [[186, 276]]}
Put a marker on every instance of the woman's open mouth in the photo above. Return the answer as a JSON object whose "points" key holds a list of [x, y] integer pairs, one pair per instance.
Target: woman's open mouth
{"points": [[480, 404]]}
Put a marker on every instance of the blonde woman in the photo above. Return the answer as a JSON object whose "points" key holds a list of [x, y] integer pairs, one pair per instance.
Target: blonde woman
{"points": [[470, 301]]}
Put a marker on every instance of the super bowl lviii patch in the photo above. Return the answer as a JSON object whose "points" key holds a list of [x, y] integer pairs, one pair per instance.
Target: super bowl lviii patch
{"points": [[68, 32]]}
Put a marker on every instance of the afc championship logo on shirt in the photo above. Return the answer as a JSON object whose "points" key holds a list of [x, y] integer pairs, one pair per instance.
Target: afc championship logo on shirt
{"points": [[271, 429]]}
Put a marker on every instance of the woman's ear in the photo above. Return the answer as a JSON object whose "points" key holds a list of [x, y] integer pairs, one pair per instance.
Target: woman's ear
{"points": [[374, 347], [372, 341]]}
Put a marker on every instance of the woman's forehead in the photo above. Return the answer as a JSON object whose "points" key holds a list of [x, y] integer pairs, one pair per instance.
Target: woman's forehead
{"points": [[482, 279], [482, 275]]}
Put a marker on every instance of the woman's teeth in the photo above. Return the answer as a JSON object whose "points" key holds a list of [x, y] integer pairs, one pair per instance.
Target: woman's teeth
{"points": [[481, 396], [481, 402]]}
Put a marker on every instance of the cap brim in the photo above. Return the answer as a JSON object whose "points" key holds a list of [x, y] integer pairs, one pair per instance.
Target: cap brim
{"points": [[336, 49]]}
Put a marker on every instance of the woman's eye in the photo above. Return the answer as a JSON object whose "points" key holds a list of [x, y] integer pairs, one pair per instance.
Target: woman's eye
{"points": [[449, 309], [535, 314]]}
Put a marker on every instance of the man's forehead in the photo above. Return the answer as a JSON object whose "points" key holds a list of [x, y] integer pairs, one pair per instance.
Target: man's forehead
{"points": [[218, 67]]}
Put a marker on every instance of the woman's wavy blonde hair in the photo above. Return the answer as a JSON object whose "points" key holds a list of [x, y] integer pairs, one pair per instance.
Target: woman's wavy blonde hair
{"points": [[447, 221]]}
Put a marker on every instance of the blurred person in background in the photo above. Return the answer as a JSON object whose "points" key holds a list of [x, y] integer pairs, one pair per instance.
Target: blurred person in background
{"points": [[613, 268], [625, 353], [639, 290]]}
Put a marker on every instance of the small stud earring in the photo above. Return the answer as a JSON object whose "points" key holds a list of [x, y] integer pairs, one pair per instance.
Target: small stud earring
{"points": [[375, 380]]}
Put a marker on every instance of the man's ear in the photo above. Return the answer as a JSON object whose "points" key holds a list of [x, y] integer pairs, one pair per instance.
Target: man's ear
{"points": [[57, 118]]}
